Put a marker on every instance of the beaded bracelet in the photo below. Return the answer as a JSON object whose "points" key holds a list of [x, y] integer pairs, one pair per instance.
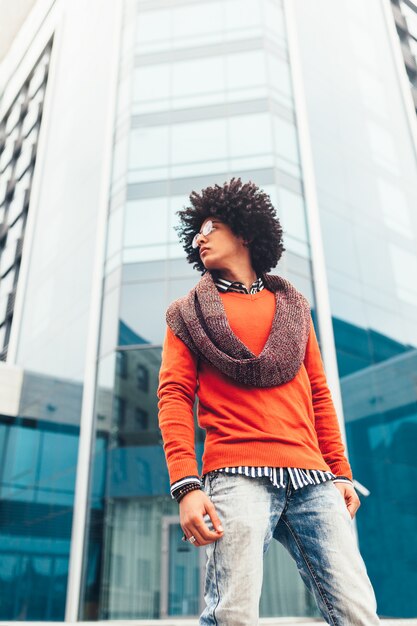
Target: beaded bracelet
{"points": [[186, 490]]}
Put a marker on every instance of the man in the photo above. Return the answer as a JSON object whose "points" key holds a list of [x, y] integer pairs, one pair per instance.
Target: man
{"points": [[274, 466]]}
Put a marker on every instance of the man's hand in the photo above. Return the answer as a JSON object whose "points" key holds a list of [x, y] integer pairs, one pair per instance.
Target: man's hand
{"points": [[350, 497], [193, 506]]}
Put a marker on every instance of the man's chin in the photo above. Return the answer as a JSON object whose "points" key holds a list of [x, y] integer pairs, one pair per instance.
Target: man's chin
{"points": [[210, 265]]}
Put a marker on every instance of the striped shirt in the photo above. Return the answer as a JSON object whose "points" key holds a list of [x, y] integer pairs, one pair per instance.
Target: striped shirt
{"points": [[299, 477]]}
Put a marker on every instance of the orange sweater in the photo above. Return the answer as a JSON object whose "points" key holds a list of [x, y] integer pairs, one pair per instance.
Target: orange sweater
{"points": [[294, 424]]}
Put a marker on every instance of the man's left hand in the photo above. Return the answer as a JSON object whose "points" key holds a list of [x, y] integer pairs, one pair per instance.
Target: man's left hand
{"points": [[350, 497]]}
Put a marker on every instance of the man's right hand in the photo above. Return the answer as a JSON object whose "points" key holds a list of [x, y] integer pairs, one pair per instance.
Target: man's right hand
{"points": [[193, 507]]}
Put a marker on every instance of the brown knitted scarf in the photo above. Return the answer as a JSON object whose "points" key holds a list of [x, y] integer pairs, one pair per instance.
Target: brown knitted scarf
{"points": [[200, 320]]}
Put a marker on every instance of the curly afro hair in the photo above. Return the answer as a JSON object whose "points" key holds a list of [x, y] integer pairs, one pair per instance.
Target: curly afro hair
{"points": [[247, 210]]}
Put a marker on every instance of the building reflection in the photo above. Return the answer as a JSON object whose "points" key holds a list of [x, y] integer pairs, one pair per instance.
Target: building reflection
{"points": [[141, 555], [136, 564], [380, 408]]}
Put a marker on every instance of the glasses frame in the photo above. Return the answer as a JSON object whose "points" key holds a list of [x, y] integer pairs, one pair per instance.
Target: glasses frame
{"points": [[206, 230]]}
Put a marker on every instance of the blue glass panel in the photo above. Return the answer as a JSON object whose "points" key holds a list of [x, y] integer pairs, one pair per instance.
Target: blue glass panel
{"points": [[37, 492]]}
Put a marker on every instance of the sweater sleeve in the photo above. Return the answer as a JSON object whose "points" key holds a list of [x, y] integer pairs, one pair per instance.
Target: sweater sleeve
{"points": [[176, 395], [326, 422]]}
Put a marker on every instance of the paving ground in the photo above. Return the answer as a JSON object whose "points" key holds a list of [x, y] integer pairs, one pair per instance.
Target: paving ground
{"points": [[284, 621]]}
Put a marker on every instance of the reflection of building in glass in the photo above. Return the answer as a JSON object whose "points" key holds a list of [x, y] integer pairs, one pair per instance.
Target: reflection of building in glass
{"points": [[363, 128], [38, 464], [37, 490], [172, 97], [405, 16], [134, 399], [381, 411]]}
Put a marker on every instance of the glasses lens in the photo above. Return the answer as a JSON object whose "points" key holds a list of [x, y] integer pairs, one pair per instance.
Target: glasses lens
{"points": [[208, 227]]}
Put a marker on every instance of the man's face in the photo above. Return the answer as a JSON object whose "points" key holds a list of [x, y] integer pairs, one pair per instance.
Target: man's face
{"points": [[220, 249]]}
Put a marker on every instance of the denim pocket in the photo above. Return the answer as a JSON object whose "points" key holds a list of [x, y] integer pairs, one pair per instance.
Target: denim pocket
{"points": [[212, 477], [343, 503], [209, 481]]}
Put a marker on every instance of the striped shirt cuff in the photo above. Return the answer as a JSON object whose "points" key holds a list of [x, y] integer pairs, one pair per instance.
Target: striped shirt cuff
{"points": [[342, 479], [187, 480]]}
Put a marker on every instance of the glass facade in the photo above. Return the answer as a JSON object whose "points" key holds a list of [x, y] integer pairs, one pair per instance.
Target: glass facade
{"points": [[197, 104], [205, 91], [367, 198], [37, 490], [39, 442], [53, 148]]}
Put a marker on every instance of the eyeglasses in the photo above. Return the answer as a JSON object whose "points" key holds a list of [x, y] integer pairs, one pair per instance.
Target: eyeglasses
{"points": [[207, 228]]}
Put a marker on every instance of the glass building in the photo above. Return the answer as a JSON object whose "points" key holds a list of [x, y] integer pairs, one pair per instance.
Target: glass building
{"points": [[361, 109], [144, 101]]}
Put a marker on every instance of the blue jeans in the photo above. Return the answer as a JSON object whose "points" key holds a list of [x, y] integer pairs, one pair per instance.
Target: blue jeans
{"points": [[312, 523]]}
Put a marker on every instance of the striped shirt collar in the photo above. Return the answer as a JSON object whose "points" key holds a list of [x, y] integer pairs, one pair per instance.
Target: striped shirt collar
{"points": [[224, 285]]}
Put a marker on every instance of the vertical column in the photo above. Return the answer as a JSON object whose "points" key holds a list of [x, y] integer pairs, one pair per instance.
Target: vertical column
{"points": [[313, 216], [321, 289], [87, 422]]}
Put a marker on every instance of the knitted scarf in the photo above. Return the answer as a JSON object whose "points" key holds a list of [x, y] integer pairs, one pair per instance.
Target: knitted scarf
{"points": [[200, 320]]}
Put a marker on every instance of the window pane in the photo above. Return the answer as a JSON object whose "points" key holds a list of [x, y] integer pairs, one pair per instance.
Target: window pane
{"points": [[293, 214], [146, 222], [151, 82], [246, 69], [149, 146], [199, 141], [286, 139], [250, 134], [198, 76], [191, 21]]}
